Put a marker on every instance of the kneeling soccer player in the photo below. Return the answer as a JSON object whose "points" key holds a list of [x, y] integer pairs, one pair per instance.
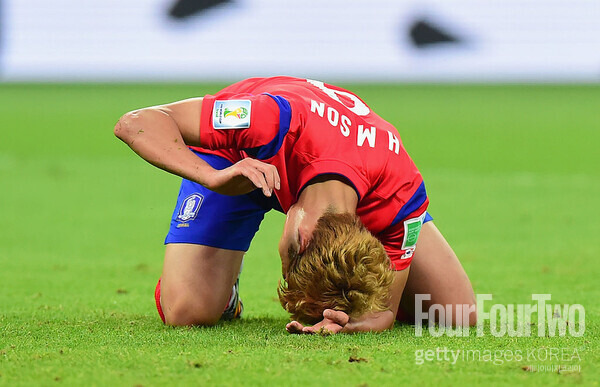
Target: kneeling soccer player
{"points": [[355, 203]]}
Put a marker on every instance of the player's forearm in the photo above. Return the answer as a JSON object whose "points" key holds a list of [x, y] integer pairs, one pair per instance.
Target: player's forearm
{"points": [[371, 322], [155, 137], [380, 321]]}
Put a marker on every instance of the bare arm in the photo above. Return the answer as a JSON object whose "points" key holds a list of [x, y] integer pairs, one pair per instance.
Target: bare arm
{"points": [[161, 135], [339, 322]]}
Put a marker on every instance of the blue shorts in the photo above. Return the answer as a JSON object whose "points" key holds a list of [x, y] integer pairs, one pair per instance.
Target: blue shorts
{"points": [[207, 218], [204, 217]]}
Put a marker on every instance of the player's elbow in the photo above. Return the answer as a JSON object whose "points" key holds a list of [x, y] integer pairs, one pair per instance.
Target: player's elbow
{"points": [[127, 126]]}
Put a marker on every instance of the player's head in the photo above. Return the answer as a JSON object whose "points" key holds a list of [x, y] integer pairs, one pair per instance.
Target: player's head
{"points": [[344, 267]]}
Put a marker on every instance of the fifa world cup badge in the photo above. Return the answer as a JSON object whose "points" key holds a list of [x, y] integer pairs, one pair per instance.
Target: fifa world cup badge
{"points": [[232, 114]]}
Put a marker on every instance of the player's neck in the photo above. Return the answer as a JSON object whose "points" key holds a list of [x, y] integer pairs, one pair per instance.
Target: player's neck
{"points": [[323, 195]]}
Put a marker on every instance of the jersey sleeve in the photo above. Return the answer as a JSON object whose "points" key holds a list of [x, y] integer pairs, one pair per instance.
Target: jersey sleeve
{"points": [[393, 241], [400, 240], [256, 124]]}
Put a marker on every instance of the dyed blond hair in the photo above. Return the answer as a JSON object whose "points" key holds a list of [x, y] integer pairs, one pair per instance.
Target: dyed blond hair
{"points": [[343, 268]]}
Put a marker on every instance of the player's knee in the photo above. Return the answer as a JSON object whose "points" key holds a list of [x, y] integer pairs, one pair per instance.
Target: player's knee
{"points": [[465, 306], [186, 312], [460, 312], [468, 317], [466, 311], [473, 316], [472, 309]]}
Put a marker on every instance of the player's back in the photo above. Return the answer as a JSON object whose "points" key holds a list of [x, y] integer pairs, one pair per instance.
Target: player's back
{"points": [[334, 131]]}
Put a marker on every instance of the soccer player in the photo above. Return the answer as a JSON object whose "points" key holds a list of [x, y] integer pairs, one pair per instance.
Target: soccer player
{"points": [[355, 203]]}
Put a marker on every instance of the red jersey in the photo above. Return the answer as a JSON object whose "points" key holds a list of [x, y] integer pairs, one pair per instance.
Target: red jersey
{"points": [[307, 128]]}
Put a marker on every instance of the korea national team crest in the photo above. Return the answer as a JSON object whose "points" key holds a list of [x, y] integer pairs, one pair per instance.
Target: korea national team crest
{"points": [[232, 114], [190, 207]]}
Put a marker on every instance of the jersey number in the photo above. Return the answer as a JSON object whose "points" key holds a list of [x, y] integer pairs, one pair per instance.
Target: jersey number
{"points": [[359, 108]]}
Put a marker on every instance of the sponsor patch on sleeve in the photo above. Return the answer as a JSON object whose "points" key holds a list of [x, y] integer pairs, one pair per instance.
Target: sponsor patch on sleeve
{"points": [[412, 228], [232, 114]]}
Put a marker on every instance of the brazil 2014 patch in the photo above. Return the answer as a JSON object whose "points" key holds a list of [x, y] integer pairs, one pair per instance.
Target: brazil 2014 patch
{"points": [[412, 229], [232, 114], [190, 207]]}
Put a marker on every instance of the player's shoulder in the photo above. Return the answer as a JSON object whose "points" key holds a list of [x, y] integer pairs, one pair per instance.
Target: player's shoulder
{"points": [[260, 84]]}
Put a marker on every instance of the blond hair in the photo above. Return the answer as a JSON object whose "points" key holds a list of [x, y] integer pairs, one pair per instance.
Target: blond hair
{"points": [[343, 268]]}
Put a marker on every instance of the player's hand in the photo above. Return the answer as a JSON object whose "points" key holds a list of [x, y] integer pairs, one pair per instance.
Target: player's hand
{"points": [[333, 322], [245, 176], [339, 322]]}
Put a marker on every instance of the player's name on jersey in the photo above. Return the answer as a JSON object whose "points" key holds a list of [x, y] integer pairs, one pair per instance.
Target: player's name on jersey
{"points": [[365, 136]]}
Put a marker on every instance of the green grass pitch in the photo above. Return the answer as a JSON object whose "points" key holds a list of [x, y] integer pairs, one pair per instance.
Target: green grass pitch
{"points": [[513, 174]]}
